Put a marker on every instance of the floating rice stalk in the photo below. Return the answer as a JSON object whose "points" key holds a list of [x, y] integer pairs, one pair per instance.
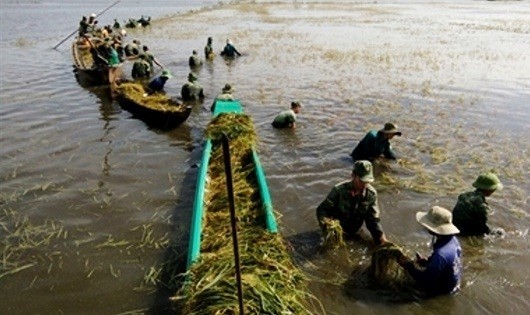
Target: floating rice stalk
{"points": [[23, 239], [140, 311], [111, 242], [15, 270], [272, 284], [333, 233]]}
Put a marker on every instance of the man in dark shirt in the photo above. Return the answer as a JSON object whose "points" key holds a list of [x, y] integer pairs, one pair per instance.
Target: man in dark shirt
{"points": [[229, 50], [376, 143], [158, 83]]}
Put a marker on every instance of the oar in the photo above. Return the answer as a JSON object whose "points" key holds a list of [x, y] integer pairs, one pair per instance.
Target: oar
{"points": [[100, 13], [230, 188]]}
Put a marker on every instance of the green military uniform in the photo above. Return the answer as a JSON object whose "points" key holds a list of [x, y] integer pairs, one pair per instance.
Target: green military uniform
{"points": [[284, 119], [208, 51], [470, 213], [194, 61], [191, 90], [141, 69], [150, 58], [352, 211]]}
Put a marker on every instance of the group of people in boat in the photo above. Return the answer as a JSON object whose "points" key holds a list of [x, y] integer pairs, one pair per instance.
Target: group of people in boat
{"points": [[109, 49], [355, 201]]}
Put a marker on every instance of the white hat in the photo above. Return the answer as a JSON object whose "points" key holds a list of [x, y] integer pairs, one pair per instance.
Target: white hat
{"points": [[93, 15], [438, 220]]}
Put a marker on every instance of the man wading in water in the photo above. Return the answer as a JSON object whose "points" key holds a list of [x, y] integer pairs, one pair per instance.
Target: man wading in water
{"points": [[353, 203]]}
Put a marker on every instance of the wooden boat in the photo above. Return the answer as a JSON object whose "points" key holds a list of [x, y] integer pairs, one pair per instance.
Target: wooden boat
{"points": [[157, 110], [87, 73]]}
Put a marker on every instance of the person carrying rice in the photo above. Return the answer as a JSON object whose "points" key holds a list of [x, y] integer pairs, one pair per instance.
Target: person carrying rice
{"points": [[353, 203], [442, 271]]}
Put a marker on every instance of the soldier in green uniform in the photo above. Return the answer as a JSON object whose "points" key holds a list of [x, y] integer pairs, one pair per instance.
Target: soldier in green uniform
{"points": [[191, 90], [208, 49], [141, 68], [150, 58], [194, 60], [287, 118], [353, 203], [470, 214]]}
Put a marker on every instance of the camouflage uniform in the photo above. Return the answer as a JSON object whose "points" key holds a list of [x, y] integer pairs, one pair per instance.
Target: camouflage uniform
{"points": [[192, 90], [208, 51], [141, 69], [352, 211], [194, 61], [470, 213], [284, 119]]}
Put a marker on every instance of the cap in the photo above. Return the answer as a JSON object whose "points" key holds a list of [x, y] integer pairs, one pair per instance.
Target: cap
{"points": [[363, 169], [227, 88]]}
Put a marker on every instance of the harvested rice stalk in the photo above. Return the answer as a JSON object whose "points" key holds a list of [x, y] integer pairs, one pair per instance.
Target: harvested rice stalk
{"points": [[333, 233], [157, 101], [385, 270]]}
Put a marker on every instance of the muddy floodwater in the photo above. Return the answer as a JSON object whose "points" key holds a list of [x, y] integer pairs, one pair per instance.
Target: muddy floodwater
{"points": [[91, 198]]}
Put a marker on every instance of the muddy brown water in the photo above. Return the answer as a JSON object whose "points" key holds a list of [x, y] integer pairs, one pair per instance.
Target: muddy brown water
{"points": [[91, 197]]}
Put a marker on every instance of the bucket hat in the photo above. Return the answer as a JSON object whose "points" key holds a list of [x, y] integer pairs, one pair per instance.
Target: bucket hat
{"points": [[437, 220], [166, 73], [390, 128], [363, 169], [228, 88], [488, 181]]}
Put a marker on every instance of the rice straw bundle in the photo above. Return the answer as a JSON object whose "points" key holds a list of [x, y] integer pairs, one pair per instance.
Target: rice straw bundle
{"points": [[385, 270], [158, 101], [333, 233]]}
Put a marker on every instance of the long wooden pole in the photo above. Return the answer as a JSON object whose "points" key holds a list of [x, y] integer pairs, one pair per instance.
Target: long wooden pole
{"points": [[230, 188], [100, 13]]}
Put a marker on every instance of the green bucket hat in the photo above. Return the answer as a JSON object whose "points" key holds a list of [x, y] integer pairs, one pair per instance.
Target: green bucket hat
{"points": [[363, 169], [166, 73], [228, 88], [488, 181]]}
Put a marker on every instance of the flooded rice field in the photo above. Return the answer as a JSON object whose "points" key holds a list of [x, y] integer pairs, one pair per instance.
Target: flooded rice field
{"points": [[92, 201]]}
